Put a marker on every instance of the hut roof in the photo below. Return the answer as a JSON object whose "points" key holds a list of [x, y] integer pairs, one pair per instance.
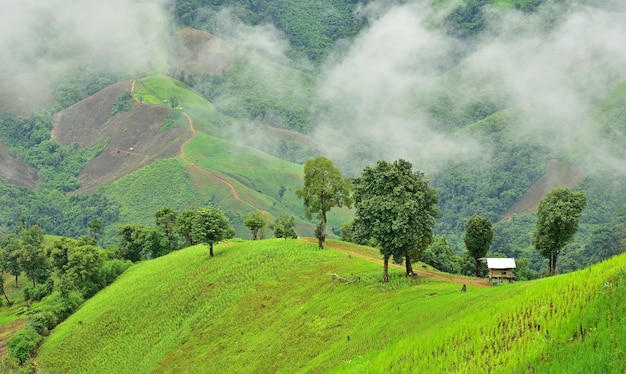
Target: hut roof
{"points": [[500, 263]]}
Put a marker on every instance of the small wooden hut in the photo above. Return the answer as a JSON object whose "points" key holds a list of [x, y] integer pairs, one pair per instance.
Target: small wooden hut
{"points": [[500, 268]]}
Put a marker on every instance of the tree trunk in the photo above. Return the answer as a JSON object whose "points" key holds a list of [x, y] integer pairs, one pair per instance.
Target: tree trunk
{"points": [[16, 285], [553, 264], [211, 249], [409, 267], [477, 268], [320, 243], [254, 234], [386, 269]]}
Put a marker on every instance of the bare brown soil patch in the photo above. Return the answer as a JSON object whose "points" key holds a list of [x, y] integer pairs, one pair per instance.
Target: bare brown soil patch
{"points": [[198, 52], [558, 174], [135, 138], [15, 171]]}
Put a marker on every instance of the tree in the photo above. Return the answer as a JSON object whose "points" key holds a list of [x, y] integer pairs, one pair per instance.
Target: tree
{"points": [[95, 228], [395, 207], [184, 225], [210, 226], [33, 259], [83, 268], [130, 243], [557, 222], [166, 222], [324, 188], [478, 238], [255, 221], [11, 256], [284, 227], [3, 267], [441, 256]]}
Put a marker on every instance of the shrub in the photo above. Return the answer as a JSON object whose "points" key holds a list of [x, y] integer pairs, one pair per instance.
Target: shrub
{"points": [[112, 269], [23, 344], [42, 322]]}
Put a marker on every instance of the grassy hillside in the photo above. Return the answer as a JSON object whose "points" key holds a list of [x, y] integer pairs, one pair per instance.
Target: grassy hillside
{"points": [[274, 306]]}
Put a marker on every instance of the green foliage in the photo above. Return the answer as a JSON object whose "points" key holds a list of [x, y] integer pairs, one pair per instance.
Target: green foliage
{"points": [[441, 256], [478, 238], [284, 227], [23, 344], [255, 221], [210, 226], [396, 207], [324, 189], [123, 103], [468, 18], [32, 257], [557, 222]]}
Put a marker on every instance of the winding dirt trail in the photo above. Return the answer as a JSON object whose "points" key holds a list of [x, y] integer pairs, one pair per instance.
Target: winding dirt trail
{"points": [[207, 172], [482, 283]]}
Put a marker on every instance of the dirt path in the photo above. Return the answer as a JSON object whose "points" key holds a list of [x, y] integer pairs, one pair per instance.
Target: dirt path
{"points": [[210, 173], [428, 274]]}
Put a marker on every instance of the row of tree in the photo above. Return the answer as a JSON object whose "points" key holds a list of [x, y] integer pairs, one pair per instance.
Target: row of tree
{"points": [[396, 209]]}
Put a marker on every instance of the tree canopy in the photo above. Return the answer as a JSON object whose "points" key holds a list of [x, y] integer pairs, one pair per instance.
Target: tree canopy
{"points": [[255, 221], [210, 226], [557, 222], [324, 188], [395, 207], [478, 238]]}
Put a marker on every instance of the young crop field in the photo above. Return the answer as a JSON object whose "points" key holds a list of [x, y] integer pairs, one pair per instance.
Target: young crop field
{"points": [[275, 306]]}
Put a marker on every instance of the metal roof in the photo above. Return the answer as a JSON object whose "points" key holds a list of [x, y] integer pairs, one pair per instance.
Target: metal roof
{"points": [[500, 263]]}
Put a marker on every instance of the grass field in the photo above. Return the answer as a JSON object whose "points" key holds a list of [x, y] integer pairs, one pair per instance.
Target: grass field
{"points": [[273, 306]]}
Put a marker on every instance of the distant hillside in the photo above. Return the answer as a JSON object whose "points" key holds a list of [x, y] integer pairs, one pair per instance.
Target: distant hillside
{"points": [[275, 306], [558, 174], [133, 139], [16, 172]]}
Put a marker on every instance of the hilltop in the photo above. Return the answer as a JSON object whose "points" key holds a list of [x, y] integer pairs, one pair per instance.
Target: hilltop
{"points": [[276, 306]]}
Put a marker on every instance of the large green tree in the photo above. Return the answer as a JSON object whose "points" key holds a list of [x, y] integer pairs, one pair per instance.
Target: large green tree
{"points": [[395, 207], [210, 226], [478, 238], [33, 259], [11, 256], [166, 222], [324, 188], [557, 222]]}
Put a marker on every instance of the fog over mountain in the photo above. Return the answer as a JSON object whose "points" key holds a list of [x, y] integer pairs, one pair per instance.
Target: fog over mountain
{"points": [[42, 40], [554, 67]]}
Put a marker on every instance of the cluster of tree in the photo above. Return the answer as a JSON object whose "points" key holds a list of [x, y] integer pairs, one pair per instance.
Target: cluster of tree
{"points": [[396, 212], [76, 264], [123, 103], [283, 225], [173, 230]]}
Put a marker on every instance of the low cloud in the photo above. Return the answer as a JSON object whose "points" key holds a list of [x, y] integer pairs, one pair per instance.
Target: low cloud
{"points": [[554, 67], [42, 40]]}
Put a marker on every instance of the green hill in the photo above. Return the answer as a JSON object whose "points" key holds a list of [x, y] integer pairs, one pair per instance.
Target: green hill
{"points": [[275, 306]]}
